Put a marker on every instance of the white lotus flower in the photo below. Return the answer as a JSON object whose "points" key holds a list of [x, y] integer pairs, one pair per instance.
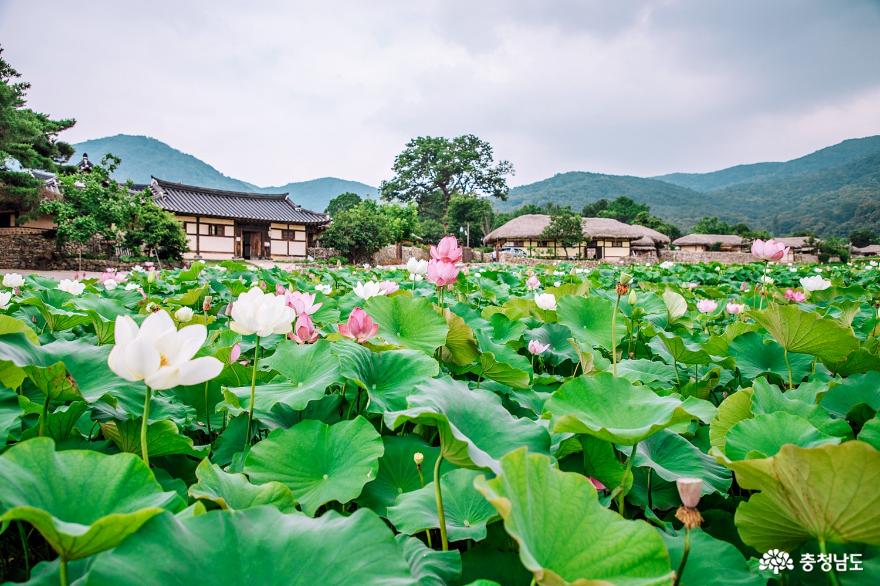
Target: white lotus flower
{"points": [[766, 280], [667, 264], [417, 267], [815, 283], [13, 280], [263, 314], [184, 314], [160, 355], [369, 289], [132, 286], [110, 284], [325, 289], [545, 301], [71, 286], [5, 298]]}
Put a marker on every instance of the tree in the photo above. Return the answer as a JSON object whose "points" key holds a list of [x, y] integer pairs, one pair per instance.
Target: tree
{"points": [[624, 210], [473, 213], [30, 138], [712, 225], [864, 237], [430, 170], [566, 229], [358, 232], [155, 231], [593, 210], [402, 221], [342, 202]]}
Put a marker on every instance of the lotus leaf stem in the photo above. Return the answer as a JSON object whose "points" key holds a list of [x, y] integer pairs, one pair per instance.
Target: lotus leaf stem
{"points": [[250, 421], [614, 336], [44, 415], [144, 425], [626, 473], [684, 556], [25, 550], [832, 577], [788, 364], [441, 516], [62, 571]]}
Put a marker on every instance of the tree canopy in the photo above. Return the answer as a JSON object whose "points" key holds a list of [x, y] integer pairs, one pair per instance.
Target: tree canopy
{"points": [[342, 202], [565, 228], [431, 170]]}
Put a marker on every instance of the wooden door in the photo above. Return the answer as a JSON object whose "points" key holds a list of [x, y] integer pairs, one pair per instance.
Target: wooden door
{"points": [[256, 245]]}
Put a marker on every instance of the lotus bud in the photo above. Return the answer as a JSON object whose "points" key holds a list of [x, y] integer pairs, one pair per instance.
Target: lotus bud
{"points": [[633, 298], [151, 276], [152, 307], [206, 303], [625, 278], [418, 458]]}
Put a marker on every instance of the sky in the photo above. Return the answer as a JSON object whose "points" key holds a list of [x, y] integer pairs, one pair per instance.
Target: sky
{"points": [[275, 91]]}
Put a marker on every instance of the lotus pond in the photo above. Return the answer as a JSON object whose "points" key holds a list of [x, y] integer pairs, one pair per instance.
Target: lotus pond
{"points": [[690, 424]]}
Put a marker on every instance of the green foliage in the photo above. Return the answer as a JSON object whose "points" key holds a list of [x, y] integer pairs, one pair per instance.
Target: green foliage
{"points": [[471, 212], [430, 170], [566, 229], [625, 210], [155, 231], [402, 220], [342, 202], [359, 232], [863, 237]]}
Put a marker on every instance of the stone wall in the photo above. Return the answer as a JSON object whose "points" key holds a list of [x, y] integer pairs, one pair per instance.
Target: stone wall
{"points": [[723, 257], [321, 253]]}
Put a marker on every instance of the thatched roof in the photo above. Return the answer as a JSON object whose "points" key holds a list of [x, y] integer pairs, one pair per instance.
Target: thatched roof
{"points": [[870, 250], [655, 236], [796, 242], [531, 226], [643, 243], [709, 240]]}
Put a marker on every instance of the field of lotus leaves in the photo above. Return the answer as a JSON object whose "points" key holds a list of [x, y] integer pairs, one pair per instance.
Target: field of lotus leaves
{"points": [[489, 424]]}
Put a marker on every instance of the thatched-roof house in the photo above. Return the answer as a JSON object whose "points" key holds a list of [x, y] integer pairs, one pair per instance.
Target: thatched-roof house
{"points": [[799, 244], [603, 237], [650, 242], [706, 242], [870, 250]]}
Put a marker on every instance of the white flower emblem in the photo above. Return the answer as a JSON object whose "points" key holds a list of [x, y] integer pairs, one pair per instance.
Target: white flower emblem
{"points": [[776, 560]]}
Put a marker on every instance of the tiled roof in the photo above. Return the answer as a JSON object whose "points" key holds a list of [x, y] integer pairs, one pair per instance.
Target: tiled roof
{"points": [[202, 201]]}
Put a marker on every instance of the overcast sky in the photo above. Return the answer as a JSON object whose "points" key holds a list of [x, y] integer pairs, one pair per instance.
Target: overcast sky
{"points": [[271, 92]]}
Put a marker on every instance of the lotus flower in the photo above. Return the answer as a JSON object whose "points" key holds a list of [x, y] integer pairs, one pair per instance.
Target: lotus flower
{"points": [[532, 283], [447, 250], [263, 314], [815, 283], [71, 286], [160, 355], [735, 308], [689, 490], [302, 303], [417, 267], [706, 306], [546, 301], [597, 484], [234, 353], [536, 347], [110, 284], [5, 298], [794, 295], [184, 314], [769, 250], [325, 289], [13, 280], [389, 286], [360, 326], [368, 289], [304, 331], [442, 273], [744, 286]]}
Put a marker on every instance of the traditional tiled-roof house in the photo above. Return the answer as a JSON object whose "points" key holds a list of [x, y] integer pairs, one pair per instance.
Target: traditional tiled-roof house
{"points": [[227, 224]]}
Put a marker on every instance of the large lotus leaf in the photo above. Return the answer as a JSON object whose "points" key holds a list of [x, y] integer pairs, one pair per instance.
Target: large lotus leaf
{"points": [[756, 356], [260, 545], [318, 462], [81, 501], [672, 456], [565, 535], [397, 471], [233, 491], [60, 424], [388, 377], [475, 429], [767, 398], [612, 409], [163, 438], [430, 567], [505, 330], [461, 345], [500, 371], [870, 432], [309, 367], [763, 435], [860, 389], [11, 325], [267, 397], [601, 463], [828, 493], [675, 349], [589, 319], [646, 371], [467, 512], [10, 414], [711, 561], [733, 409], [676, 305], [807, 332], [557, 338], [56, 319], [411, 323]]}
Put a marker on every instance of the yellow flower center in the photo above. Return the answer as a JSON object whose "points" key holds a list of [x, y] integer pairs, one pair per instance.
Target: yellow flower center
{"points": [[163, 361]]}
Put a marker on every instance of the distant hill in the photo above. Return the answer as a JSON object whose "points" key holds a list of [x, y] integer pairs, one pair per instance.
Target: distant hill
{"points": [[832, 191], [143, 157], [848, 151]]}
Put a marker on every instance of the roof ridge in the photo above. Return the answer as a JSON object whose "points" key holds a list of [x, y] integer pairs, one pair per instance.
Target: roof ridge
{"points": [[225, 192]]}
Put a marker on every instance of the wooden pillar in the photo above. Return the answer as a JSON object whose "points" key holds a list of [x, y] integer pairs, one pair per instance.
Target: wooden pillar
{"points": [[198, 236]]}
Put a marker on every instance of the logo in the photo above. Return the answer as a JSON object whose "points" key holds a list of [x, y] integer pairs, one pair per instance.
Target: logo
{"points": [[776, 560]]}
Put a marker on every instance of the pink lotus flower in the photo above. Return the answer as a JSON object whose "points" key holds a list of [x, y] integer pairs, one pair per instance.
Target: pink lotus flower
{"points": [[442, 273], [304, 331], [689, 490], [769, 250], [302, 303], [389, 286], [796, 296], [536, 347], [744, 286], [596, 484], [532, 283], [447, 250], [735, 308], [706, 306], [234, 353], [360, 326]]}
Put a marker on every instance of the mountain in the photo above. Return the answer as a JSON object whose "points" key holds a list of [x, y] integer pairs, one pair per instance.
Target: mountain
{"points": [[143, 157], [832, 191], [848, 151]]}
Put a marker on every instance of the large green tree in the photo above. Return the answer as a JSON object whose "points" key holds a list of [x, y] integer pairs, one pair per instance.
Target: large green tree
{"points": [[565, 228], [472, 213], [432, 169], [30, 138], [342, 202], [359, 231]]}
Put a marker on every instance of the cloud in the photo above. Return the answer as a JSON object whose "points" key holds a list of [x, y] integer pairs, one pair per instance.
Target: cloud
{"points": [[274, 91]]}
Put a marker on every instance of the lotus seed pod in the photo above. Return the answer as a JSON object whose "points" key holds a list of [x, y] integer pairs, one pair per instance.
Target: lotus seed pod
{"points": [[689, 490], [418, 458]]}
